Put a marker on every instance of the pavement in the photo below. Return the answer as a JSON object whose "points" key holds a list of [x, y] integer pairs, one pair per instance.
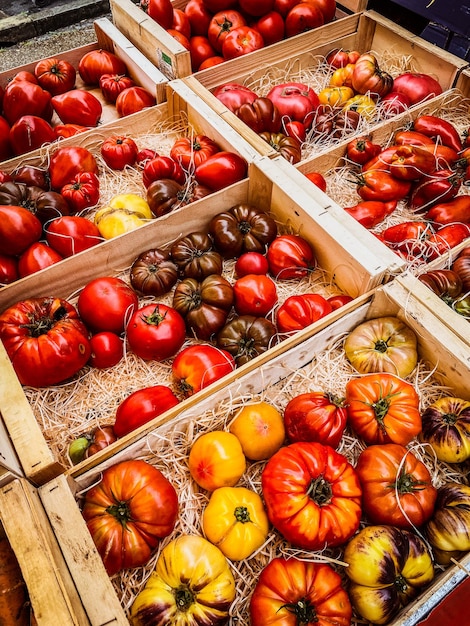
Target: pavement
{"points": [[22, 20]]}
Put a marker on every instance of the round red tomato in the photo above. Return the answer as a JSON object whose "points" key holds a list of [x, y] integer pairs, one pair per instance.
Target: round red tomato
{"points": [[156, 332], [315, 416], [23, 97], [255, 294], [118, 151], [192, 151], [181, 23], [241, 41], [107, 304], [210, 62], [200, 365], [284, 6], [38, 256], [8, 269], [107, 349], [141, 406], [97, 62], [317, 179], [251, 263], [200, 49], [327, 7], [221, 170], [290, 256], [199, 17], [45, 340], [180, 38], [271, 27], [71, 234], [19, 228], [304, 16], [233, 95], [55, 75], [417, 87], [134, 99], [112, 85], [162, 167], [222, 23], [161, 11], [295, 100]]}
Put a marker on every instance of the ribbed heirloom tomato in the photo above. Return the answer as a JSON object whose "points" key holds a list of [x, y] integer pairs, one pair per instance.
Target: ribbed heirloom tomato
{"points": [[55, 75]]}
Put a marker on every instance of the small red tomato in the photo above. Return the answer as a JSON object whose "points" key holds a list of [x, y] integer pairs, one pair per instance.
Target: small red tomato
{"points": [[112, 85], [107, 349], [255, 294], [338, 301], [118, 151], [8, 269], [107, 304], [251, 263]]}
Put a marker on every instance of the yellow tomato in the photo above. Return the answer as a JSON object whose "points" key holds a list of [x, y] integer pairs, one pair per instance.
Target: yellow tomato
{"points": [[216, 460], [362, 104], [342, 77], [235, 521], [131, 202], [335, 96], [260, 429], [192, 584], [124, 212]]}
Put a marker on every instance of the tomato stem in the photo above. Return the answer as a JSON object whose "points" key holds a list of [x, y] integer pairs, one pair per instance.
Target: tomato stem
{"points": [[320, 491], [303, 610], [184, 597], [120, 511], [242, 514]]}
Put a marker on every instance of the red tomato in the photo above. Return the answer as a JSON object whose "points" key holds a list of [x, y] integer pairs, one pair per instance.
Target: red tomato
{"points": [[8, 269], [255, 294], [251, 263], [134, 99], [97, 62], [338, 57], [181, 23], [290, 256], [201, 49], [107, 303], [71, 234], [360, 150], [295, 100], [299, 311], [66, 162], [141, 407], [440, 130], [446, 238], [284, 6], [162, 167], [221, 24], [317, 179], [221, 170], [315, 416], [256, 7], [78, 106], [370, 213], [82, 192], [271, 27], [418, 87], [55, 75], [112, 85], [118, 151], [192, 151], [19, 228], [26, 98], [24, 75], [241, 41], [338, 301], [394, 103], [381, 185], [161, 11], [38, 256], [45, 340], [5, 147], [210, 62], [295, 129], [180, 38], [199, 17], [328, 8], [233, 95], [107, 349], [200, 365], [30, 132], [156, 332], [303, 17]]}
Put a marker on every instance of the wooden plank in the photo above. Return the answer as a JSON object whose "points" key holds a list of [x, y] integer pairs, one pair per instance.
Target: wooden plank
{"points": [[52, 592]]}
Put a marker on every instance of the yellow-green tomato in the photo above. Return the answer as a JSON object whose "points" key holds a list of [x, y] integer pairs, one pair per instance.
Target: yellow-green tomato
{"points": [[124, 212], [235, 521], [387, 568], [192, 585], [216, 459], [445, 426]]}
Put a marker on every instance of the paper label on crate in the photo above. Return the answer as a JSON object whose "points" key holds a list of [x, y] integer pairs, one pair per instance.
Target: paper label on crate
{"points": [[165, 64]]}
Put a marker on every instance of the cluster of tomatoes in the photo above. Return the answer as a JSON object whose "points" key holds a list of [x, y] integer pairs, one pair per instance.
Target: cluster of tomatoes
{"points": [[44, 105], [217, 30], [425, 167], [452, 284]]}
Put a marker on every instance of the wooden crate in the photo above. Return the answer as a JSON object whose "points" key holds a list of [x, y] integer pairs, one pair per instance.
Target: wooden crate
{"points": [[171, 58], [273, 382], [302, 60], [49, 585], [348, 265], [108, 37]]}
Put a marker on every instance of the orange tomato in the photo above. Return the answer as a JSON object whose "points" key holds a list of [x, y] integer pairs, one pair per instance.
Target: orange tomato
{"points": [[260, 429], [335, 96], [216, 459]]}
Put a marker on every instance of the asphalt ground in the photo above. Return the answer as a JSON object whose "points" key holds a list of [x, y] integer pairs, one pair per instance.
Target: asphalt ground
{"points": [[29, 33]]}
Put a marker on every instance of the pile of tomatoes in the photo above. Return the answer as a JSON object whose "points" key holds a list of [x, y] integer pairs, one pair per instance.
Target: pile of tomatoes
{"points": [[217, 30], [43, 105], [424, 170]]}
